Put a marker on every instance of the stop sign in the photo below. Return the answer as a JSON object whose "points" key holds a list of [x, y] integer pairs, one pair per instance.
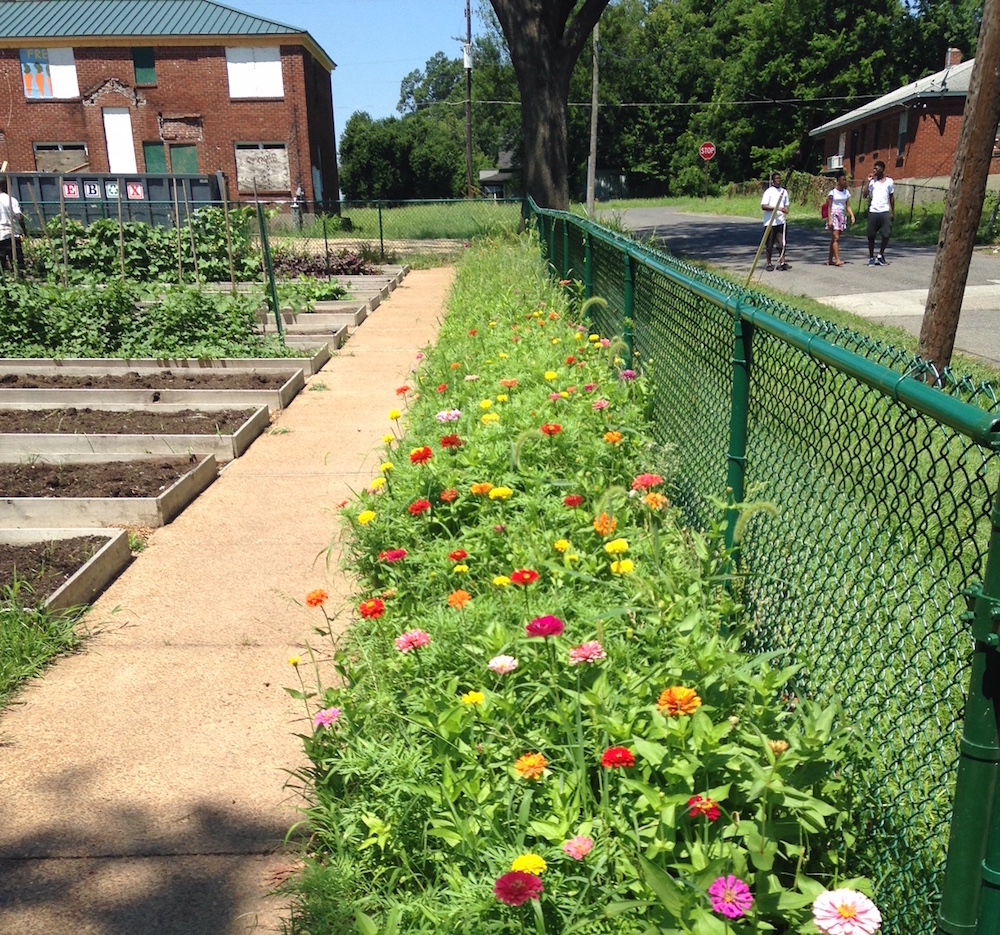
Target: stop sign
{"points": [[707, 151]]}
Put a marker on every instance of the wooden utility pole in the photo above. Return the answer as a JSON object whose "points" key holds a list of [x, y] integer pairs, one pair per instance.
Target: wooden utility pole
{"points": [[470, 190], [592, 162], [964, 204]]}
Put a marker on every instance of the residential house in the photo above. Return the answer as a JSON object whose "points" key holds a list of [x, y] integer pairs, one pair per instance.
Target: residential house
{"points": [[166, 86]]}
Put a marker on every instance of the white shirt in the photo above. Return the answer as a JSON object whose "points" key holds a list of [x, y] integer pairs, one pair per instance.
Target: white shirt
{"points": [[9, 209], [840, 199], [774, 196], [880, 192]]}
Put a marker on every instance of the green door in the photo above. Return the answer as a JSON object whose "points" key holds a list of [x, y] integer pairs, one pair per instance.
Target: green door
{"points": [[184, 160], [155, 157]]}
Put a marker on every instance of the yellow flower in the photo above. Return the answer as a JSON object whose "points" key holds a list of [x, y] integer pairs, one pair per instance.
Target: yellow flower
{"points": [[577, 336], [561, 546], [377, 484], [473, 698], [395, 415], [294, 661], [501, 493], [501, 581], [677, 701], [529, 863], [624, 566], [386, 467], [594, 338], [555, 340], [564, 394], [778, 746], [460, 570], [531, 766], [365, 517], [491, 418], [573, 558], [493, 324], [486, 404], [502, 398], [388, 439], [616, 546], [502, 355], [551, 375]]}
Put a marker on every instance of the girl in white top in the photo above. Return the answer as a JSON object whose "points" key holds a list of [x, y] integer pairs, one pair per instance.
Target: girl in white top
{"points": [[838, 210]]}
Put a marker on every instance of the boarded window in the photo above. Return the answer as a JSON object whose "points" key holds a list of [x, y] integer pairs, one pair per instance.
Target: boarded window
{"points": [[184, 160], [254, 72], [155, 157], [904, 123], [49, 74], [267, 163], [60, 157], [145, 67]]}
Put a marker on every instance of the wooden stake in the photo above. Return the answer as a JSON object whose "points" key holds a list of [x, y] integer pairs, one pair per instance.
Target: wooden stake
{"points": [[229, 236], [177, 227], [187, 213], [121, 234], [62, 221]]}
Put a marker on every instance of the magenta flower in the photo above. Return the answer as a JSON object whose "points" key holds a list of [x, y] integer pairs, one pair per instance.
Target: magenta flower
{"points": [[845, 912], [589, 387], [502, 665], [578, 847], [627, 375], [545, 627], [327, 717], [587, 653], [411, 640], [730, 897], [598, 404]]}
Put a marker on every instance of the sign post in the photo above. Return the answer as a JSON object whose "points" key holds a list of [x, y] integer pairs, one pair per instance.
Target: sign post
{"points": [[707, 153]]}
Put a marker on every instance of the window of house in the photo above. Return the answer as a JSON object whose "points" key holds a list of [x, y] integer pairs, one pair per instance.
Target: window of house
{"points": [[154, 156], [262, 165], [49, 74], [254, 72], [60, 157], [144, 64], [184, 159], [903, 127], [877, 135], [863, 139]]}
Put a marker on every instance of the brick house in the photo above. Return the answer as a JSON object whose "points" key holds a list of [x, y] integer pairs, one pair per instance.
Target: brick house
{"points": [[166, 86], [913, 130]]}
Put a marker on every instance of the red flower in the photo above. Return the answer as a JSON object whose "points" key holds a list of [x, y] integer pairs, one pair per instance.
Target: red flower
{"points": [[617, 758], [517, 887], [573, 501], [473, 332], [645, 481], [418, 507], [451, 441], [442, 387], [551, 428], [458, 555], [523, 577], [544, 626], [392, 555], [371, 609], [448, 495], [316, 598], [699, 806], [421, 455], [570, 361], [402, 390]]}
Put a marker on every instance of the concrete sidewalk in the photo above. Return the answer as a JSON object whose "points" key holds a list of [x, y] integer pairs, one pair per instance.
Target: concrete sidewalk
{"points": [[143, 781]]}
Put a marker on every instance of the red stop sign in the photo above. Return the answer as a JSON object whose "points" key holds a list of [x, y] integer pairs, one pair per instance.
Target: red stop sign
{"points": [[707, 151]]}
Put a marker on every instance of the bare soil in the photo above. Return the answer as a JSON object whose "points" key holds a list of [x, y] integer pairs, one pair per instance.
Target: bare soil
{"points": [[44, 566], [103, 479], [116, 422], [133, 380]]}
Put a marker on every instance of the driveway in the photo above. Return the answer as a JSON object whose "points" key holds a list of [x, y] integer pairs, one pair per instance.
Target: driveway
{"points": [[894, 294]]}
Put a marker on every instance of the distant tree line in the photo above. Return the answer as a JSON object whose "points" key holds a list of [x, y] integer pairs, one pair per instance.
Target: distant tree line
{"points": [[754, 76]]}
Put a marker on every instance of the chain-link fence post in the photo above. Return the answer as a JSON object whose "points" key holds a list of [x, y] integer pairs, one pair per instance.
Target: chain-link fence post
{"points": [[629, 310], [588, 267], [381, 238], [739, 417], [565, 266]]}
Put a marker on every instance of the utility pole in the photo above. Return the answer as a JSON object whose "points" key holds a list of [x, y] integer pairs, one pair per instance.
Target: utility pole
{"points": [[470, 188], [592, 161], [964, 204]]}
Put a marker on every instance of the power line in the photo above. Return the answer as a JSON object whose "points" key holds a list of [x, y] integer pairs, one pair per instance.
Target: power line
{"points": [[859, 98]]}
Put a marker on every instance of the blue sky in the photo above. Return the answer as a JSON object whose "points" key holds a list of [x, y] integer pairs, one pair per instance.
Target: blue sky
{"points": [[375, 43]]}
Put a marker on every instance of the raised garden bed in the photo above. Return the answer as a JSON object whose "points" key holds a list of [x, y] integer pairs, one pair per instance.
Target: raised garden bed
{"points": [[147, 492], [146, 380]]}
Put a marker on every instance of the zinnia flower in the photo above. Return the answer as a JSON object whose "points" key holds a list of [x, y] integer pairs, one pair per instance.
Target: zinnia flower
{"points": [[458, 599], [491, 418], [627, 376], [517, 887], [613, 438], [531, 766], [551, 375], [365, 517], [472, 698], [392, 555], [655, 501], [486, 404], [529, 863], [411, 640], [294, 661], [502, 665], [402, 390], [418, 507], [508, 384], [458, 555], [388, 439], [377, 484], [778, 747], [316, 598], [501, 581], [441, 387], [616, 546], [395, 415], [551, 428], [371, 609], [730, 897], [578, 847], [845, 912], [599, 404], [545, 627], [327, 717], [449, 415], [421, 455], [471, 377], [704, 807], [523, 577], [451, 441], [587, 653], [645, 481], [678, 701], [624, 566], [617, 758], [501, 493], [386, 467], [448, 495], [573, 501], [561, 546], [460, 569], [481, 489], [604, 525]]}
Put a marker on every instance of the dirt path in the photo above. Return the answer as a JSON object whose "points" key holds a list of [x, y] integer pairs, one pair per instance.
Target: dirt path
{"points": [[142, 783]]}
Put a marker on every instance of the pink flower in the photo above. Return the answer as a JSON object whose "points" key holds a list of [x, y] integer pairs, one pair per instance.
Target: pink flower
{"points": [[589, 652], [392, 555], [845, 912], [627, 376], [545, 627], [578, 847], [502, 665], [411, 640], [555, 397], [645, 481], [327, 717], [589, 387], [730, 897], [517, 887], [598, 404]]}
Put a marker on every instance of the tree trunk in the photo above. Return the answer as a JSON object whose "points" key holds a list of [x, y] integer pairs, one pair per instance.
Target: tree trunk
{"points": [[964, 204]]}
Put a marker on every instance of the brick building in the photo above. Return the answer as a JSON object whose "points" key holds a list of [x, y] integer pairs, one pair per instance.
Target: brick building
{"points": [[913, 130], [161, 86]]}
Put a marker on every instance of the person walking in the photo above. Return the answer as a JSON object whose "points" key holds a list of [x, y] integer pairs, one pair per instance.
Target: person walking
{"points": [[838, 211], [10, 245], [774, 204], [881, 212]]}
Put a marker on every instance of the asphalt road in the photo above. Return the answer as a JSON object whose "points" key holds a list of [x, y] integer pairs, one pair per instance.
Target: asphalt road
{"points": [[894, 294]]}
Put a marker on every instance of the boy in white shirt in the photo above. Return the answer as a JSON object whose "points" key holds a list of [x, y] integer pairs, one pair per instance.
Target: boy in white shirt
{"points": [[10, 243], [881, 212], [775, 197]]}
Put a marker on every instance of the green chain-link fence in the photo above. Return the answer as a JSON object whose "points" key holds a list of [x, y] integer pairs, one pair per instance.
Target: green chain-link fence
{"points": [[882, 487]]}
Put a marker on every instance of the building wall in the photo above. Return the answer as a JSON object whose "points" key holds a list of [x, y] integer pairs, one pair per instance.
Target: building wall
{"points": [[189, 105]]}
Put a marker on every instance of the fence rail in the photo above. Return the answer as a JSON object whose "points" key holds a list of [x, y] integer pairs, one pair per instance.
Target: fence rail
{"points": [[882, 481]]}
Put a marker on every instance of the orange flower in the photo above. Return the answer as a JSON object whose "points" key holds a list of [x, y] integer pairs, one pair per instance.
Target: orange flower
{"points": [[481, 490], [316, 598], [613, 438], [508, 384], [458, 599], [531, 766], [456, 365], [402, 390], [604, 525], [678, 701], [656, 501]]}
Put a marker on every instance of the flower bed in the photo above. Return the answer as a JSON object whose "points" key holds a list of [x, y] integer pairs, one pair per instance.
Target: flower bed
{"points": [[543, 720]]}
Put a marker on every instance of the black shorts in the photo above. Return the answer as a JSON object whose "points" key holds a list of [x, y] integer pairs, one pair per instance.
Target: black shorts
{"points": [[879, 225], [776, 235]]}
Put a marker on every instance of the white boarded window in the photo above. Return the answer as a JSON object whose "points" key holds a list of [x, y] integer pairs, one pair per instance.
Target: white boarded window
{"points": [[254, 72], [49, 74], [265, 164]]}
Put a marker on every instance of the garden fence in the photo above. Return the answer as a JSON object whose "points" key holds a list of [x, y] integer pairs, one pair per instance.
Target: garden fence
{"points": [[876, 566]]}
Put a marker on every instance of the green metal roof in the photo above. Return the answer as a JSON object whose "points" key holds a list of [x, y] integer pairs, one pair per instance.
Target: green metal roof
{"points": [[88, 19]]}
